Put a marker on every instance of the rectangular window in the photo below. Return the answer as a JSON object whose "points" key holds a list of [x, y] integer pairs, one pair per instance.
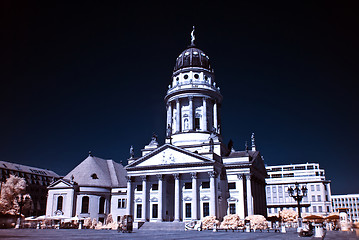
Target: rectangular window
{"points": [[232, 208], [269, 210], [232, 185], [280, 189], [139, 187], [320, 209], [312, 188], [155, 187], [274, 189], [318, 187], [188, 185], [205, 209], [268, 190], [154, 210], [313, 198], [205, 185], [319, 198], [121, 203], [314, 209], [310, 167], [139, 211], [188, 210]]}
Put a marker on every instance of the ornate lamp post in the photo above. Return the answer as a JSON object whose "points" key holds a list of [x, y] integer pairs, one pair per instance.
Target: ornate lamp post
{"points": [[21, 201], [297, 194]]}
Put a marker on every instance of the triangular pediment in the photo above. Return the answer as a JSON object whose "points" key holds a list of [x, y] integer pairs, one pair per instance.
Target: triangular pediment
{"points": [[169, 155], [61, 184]]}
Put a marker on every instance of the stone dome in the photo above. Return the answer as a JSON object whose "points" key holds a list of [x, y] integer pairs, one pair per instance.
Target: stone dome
{"points": [[192, 57]]}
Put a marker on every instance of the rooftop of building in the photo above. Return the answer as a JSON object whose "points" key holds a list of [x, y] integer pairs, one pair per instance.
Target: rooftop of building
{"points": [[98, 172], [27, 169]]}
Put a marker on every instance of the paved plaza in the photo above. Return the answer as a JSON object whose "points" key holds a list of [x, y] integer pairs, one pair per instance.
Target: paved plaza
{"points": [[13, 234]]}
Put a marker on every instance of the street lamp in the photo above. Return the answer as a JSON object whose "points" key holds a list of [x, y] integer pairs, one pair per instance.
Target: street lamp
{"points": [[21, 201], [297, 194]]}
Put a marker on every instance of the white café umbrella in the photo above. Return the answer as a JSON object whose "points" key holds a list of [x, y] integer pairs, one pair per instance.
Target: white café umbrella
{"points": [[43, 217]]}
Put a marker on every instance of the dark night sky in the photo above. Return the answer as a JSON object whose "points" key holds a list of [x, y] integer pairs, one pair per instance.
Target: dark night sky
{"points": [[92, 76]]}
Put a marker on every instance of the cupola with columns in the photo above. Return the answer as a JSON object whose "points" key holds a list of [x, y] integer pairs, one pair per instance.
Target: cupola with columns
{"points": [[193, 102]]}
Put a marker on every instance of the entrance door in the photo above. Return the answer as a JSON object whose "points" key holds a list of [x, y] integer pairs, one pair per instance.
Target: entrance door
{"points": [[154, 210], [139, 211]]}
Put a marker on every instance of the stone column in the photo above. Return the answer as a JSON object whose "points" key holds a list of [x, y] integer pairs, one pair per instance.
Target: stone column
{"points": [[144, 197], [249, 195], [215, 120], [241, 208], [177, 197], [213, 200], [129, 196], [204, 115], [190, 99], [160, 197], [169, 114], [178, 116], [194, 196]]}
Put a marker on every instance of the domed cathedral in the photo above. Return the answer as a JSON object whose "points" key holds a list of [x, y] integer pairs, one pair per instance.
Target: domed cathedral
{"points": [[194, 175]]}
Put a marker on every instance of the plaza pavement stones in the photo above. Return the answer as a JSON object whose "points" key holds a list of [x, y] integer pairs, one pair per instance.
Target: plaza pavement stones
{"points": [[76, 234]]}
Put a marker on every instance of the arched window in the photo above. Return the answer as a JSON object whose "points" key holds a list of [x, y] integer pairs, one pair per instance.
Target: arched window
{"points": [[102, 205], [60, 200], [85, 204]]}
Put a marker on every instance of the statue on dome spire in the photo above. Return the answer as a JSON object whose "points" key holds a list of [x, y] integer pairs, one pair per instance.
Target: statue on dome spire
{"points": [[253, 143], [192, 37]]}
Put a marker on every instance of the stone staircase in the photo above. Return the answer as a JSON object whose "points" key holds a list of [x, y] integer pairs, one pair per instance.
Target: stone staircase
{"points": [[161, 226]]}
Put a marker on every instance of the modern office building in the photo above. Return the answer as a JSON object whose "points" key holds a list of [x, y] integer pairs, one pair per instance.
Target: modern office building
{"points": [[281, 177], [349, 201]]}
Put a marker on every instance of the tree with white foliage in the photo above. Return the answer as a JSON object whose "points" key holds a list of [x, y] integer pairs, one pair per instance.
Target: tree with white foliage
{"points": [[13, 195]]}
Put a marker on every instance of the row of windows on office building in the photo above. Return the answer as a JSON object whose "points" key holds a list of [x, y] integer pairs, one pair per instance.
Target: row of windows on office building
{"points": [[280, 194], [312, 209]]}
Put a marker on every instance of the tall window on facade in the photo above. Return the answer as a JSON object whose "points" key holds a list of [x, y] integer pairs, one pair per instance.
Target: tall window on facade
{"points": [[60, 200], [155, 211], [102, 205], [232, 208], [197, 123], [188, 210], [139, 211], [85, 204], [205, 209]]}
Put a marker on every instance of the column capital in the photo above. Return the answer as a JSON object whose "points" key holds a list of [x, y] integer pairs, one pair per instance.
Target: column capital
{"points": [[160, 176], [249, 176], [144, 177], [193, 175], [176, 176], [240, 176], [212, 174], [190, 98], [129, 178], [177, 100], [205, 98]]}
